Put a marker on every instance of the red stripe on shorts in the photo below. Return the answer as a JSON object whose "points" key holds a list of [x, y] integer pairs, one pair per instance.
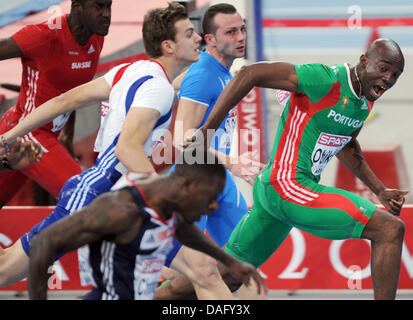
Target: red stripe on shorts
{"points": [[337, 201]]}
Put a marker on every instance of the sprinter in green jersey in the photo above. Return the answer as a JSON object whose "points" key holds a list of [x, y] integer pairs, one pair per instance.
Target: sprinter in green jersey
{"points": [[324, 114]]}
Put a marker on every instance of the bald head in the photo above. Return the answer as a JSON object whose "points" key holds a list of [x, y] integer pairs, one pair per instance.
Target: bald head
{"points": [[386, 50], [379, 68]]}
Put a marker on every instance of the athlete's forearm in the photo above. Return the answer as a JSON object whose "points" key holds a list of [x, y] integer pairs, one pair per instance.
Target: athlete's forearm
{"points": [[84, 95], [352, 157], [275, 75], [42, 115], [232, 94], [191, 236], [42, 255], [134, 158]]}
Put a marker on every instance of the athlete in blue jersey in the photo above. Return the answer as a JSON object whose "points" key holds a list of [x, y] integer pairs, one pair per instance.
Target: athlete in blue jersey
{"points": [[126, 138], [131, 228], [224, 34]]}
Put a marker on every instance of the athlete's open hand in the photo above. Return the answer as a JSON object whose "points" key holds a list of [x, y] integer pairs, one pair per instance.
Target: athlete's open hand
{"points": [[24, 153], [199, 138], [246, 167], [244, 272], [393, 200]]}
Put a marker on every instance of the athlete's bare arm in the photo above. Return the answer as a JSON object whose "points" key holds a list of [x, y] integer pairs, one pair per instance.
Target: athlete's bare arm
{"points": [[191, 236], [9, 49], [275, 75], [138, 125], [188, 117], [352, 157], [110, 216], [84, 95]]}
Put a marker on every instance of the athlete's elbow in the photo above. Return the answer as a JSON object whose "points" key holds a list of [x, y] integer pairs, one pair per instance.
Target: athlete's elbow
{"points": [[120, 152], [249, 76]]}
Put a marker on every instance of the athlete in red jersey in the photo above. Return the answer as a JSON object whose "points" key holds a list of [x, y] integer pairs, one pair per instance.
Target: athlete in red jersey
{"points": [[56, 56]]}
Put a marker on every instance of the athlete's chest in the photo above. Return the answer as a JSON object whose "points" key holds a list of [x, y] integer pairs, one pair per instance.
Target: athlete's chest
{"points": [[343, 118], [149, 236], [68, 64]]}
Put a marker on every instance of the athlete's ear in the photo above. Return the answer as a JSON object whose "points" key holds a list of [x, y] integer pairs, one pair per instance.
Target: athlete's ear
{"points": [[364, 61], [210, 39], [168, 47], [76, 4], [189, 187], [76, 8]]}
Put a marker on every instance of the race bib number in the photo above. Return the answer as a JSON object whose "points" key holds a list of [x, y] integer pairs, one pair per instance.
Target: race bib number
{"points": [[60, 121], [327, 146], [230, 124], [147, 273]]}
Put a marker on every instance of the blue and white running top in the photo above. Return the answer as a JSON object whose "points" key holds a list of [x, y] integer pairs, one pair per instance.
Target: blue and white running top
{"points": [[132, 271]]}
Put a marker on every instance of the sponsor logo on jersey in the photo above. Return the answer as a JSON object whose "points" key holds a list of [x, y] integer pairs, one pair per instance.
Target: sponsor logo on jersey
{"points": [[364, 106], [344, 120], [73, 53], [104, 110], [151, 265], [81, 65], [332, 140], [91, 49], [282, 97]]}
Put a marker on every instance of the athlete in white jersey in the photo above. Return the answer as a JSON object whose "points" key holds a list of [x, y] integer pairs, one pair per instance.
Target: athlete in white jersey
{"points": [[137, 84], [140, 99]]}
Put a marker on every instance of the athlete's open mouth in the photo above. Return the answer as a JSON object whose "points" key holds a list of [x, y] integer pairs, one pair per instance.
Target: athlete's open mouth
{"points": [[379, 90]]}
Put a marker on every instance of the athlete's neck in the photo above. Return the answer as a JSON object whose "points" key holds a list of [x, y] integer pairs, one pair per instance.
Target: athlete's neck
{"points": [[226, 61], [158, 196], [171, 66], [355, 82], [78, 30]]}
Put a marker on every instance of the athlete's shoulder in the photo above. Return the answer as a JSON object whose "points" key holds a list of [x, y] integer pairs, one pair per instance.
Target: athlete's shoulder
{"points": [[312, 69], [340, 71], [315, 80], [202, 75], [35, 32]]}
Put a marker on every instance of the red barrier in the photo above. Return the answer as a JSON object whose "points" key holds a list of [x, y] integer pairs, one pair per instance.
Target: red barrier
{"points": [[14, 222], [303, 261]]}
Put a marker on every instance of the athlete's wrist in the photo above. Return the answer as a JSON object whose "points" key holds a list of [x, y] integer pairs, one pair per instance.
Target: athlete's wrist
{"points": [[380, 191]]}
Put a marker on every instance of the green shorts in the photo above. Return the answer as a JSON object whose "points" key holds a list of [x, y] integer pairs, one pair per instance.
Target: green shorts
{"points": [[336, 214]]}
